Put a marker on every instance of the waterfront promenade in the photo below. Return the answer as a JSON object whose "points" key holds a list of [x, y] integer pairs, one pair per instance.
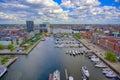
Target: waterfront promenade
{"points": [[25, 52], [100, 53]]}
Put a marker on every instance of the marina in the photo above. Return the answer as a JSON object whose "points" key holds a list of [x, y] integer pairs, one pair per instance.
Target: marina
{"points": [[51, 59]]}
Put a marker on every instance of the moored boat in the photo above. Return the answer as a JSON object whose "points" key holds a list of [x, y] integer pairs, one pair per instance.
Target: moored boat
{"points": [[50, 77], [85, 71], [70, 78], [56, 75], [111, 75], [100, 65], [2, 71], [84, 78]]}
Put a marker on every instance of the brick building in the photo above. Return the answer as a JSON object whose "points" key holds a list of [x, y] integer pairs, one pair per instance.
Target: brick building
{"points": [[111, 44]]}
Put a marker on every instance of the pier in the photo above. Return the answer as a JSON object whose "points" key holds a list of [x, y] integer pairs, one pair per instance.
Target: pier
{"points": [[66, 74]]}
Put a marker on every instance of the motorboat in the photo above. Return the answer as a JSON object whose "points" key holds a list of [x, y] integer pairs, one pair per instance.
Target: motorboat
{"points": [[84, 78], [95, 59], [3, 69], [56, 75], [73, 52], [100, 65], [85, 71], [50, 77], [67, 51], [111, 75], [93, 56], [107, 70], [70, 78], [116, 78]]}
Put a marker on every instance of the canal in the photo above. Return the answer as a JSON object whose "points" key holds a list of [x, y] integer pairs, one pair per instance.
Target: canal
{"points": [[45, 59]]}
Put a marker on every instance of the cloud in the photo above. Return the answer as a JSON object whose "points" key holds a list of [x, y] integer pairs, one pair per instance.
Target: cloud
{"points": [[69, 11], [117, 0]]}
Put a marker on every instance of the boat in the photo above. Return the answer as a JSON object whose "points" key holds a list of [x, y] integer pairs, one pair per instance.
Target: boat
{"points": [[67, 51], [93, 56], [70, 78], [116, 78], [111, 75], [56, 75], [2, 71], [43, 39], [85, 71], [107, 70], [73, 52], [95, 59], [100, 65], [84, 78], [50, 77]]}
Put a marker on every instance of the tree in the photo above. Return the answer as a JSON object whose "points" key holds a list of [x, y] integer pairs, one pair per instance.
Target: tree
{"points": [[10, 46], [110, 56], [1, 47]]}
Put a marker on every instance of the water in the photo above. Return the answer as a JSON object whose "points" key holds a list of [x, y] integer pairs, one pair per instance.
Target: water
{"points": [[45, 59]]}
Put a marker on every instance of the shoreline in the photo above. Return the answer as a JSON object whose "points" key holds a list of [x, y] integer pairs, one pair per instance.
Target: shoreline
{"points": [[24, 52], [11, 61], [102, 57]]}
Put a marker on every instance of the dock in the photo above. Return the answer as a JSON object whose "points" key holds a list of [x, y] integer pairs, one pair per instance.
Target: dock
{"points": [[66, 74]]}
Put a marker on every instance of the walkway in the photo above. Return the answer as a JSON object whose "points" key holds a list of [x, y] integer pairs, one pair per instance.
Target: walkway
{"points": [[100, 53]]}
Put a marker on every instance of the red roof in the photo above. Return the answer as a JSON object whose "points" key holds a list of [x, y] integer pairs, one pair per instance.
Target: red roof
{"points": [[112, 39]]}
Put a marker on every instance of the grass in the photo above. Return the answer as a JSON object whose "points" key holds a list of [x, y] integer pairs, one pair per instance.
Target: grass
{"points": [[77, 35], [110, 56], [5, 59], [30, 42]]}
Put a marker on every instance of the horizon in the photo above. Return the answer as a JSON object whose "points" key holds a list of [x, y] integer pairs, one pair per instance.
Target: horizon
{"points": [[60, 11]]}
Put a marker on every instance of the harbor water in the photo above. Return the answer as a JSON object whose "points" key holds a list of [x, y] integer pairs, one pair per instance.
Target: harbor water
{"points": [[45, 59]]}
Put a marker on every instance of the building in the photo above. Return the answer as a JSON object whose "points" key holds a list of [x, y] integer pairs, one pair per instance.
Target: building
{"points": [[111, 44], [45, 27], [5, 43], [29, 26]]}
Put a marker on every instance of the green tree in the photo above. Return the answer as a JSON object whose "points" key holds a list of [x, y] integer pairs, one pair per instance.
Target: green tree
{"points": [[110, 56], [1, 47], [4, 59], [10, 46]]}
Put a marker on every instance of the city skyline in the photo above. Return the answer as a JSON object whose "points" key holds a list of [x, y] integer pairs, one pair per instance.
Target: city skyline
{"points": [[60, 11]]}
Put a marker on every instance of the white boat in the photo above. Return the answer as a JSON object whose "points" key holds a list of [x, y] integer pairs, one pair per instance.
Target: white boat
{"points": [[111, 75], [76, 52], [85, 71], [70, 78], [100, 65], [107, 70], [73, 52], [43, 39], [67, 51], [84, 78], [95, 59], [93, 56], [56, 75], [2, 71]]}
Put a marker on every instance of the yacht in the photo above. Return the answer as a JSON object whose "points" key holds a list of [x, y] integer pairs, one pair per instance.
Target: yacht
{"points": [[100, 65], [73, 52], [2, 71], [56, 75], [85, 71], [50, 77], [70, 78], [84, 78], [116, 78], [95, 59], [111, 75]]}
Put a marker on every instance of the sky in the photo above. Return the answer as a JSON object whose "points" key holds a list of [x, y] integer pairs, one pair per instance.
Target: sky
{"points": [[60, 11]]}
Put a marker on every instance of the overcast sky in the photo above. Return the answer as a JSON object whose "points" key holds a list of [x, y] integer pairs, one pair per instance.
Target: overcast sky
{"points": [[60, 11]]}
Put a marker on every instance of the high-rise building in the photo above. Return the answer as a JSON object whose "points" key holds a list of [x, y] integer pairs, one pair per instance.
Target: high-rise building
{"points": [[45, 27], [29, 26]]}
